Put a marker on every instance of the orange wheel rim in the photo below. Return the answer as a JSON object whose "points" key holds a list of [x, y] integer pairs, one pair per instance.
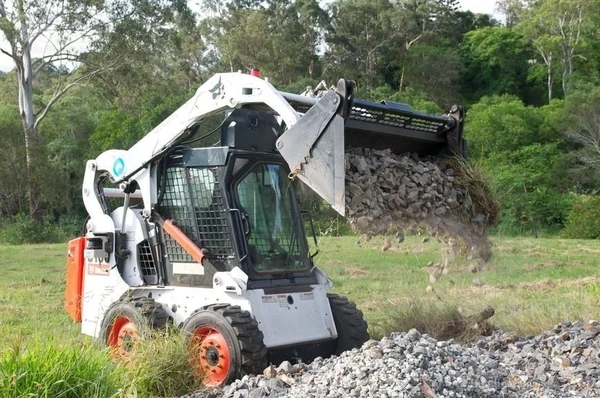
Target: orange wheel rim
{"points": [[123, 337], [210, 355]]}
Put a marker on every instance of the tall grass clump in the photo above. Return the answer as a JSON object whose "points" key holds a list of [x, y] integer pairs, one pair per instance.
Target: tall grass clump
{"points": [[160, 367], [441, 320], [473, 180], [48, 369]]}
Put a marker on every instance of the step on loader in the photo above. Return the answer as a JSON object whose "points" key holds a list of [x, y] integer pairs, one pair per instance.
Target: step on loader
{"points": [[211, 239]]}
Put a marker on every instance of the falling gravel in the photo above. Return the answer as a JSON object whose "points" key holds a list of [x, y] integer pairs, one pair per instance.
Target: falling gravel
{"points": [[390, 194], [563, 362]]}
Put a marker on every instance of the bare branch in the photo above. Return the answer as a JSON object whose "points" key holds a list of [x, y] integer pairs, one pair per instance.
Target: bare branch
{"points": [[43, 28], [59, 92], [587, 133], [61, 53], [2, 9], [40, 64], [413, 41], [3, 51]]}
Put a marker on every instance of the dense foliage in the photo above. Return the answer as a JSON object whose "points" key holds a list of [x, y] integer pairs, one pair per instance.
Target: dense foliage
{"points": [[530, 84]]}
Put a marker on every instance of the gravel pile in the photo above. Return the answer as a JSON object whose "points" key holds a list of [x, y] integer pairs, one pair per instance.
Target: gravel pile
{"points": [[388, 194], [561, 363]]}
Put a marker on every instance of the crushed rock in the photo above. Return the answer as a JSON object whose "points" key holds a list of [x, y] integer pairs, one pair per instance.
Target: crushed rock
{"points": [[560, 363]]}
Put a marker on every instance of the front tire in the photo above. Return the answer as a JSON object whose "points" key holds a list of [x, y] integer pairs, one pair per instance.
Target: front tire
{"points": [[224, 343], [349, 322], [127, 322]]}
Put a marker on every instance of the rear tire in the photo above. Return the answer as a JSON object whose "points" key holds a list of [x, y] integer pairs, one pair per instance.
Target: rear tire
{"points": [[349, 322], [224, 343], [127, 322]]}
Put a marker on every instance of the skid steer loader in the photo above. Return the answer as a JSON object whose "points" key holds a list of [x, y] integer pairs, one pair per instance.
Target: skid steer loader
{"points": [[211, 239]]}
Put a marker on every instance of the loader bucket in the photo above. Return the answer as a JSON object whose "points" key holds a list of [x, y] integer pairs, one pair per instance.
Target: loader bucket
{"points": [[314, 147]]}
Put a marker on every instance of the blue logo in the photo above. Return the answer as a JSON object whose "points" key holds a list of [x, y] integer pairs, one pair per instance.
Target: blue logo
{"points": [[118, 167]]}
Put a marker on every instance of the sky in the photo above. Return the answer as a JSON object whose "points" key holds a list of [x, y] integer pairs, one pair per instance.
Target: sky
{"points": [[476, 6], [479, 6]]}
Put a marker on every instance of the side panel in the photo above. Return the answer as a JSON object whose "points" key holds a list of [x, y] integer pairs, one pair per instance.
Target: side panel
{"points": [[285, 319], [135, 234], [293, 318], [181, 301], [74, 285], [102, 285]]}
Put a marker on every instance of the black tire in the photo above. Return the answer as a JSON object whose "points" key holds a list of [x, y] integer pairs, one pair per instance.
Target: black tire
{"points": [[141, 313], [349, 322], [245, 348]]}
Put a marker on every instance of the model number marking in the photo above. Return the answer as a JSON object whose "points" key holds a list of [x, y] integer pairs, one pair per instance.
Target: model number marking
{"points": [[268, 299], [307, 296], [98, 269]]}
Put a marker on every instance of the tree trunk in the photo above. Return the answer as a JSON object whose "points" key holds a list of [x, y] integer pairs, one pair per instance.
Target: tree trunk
{"points": [[33, 144], [565, 72], [401, 80], [550, 83], [548, 61], [33, 153]]}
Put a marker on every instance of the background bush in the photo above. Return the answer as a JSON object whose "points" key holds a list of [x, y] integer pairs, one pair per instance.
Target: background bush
{"points": [[22, 229], [583, 221]]}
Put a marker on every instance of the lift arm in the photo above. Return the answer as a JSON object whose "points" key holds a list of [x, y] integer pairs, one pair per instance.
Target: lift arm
{"points": [[317, 131], [221, 92]]}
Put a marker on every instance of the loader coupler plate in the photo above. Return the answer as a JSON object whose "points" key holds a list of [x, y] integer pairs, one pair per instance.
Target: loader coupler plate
{"points": [[314, 150]]}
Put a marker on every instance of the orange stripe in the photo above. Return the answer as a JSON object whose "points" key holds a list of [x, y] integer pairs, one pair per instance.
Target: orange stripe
{"points": [[188, 245]]}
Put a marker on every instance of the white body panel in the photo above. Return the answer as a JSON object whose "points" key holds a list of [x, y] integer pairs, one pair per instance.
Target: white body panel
{"points": [[102, 286], [285, 318], [308, 319], [293, 318], [135, 234]]}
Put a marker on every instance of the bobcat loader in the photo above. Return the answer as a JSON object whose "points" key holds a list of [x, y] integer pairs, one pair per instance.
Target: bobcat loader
{"points": [[211, 239]]}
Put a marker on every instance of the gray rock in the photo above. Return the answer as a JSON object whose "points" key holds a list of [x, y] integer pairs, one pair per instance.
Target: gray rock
{"points": [[241, 394], [285, 366], [259, 393]]}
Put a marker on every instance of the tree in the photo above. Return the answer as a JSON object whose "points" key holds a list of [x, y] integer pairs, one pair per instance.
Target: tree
{"points": [[357, 44], [465, 21], [376, 47], [67, 27], [418, 18], [12, 177], [495, 61], [511, 9], [523, 150], [503, 124], [583, 110], [279, 37], [527, 187], [558, 30], [434, 70]]}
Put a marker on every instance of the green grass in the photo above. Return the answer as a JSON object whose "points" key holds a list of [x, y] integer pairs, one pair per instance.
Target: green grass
{"points": [[43, 351], [160, 368], [531, 283], [32, 280]]}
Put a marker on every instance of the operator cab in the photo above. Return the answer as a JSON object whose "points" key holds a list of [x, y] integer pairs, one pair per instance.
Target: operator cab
{"points": [[238, 205]]}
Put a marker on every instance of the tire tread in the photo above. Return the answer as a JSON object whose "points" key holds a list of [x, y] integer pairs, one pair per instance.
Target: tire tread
{"points": [[350, 322]]}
